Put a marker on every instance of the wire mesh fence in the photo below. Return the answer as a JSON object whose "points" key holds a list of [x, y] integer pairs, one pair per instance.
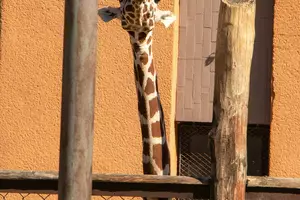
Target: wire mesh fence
{"points": [[194, 152], [26, 196]]}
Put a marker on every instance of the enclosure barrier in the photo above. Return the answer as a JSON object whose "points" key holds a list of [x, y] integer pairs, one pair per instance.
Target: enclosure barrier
{"points": [[40, 182], [77, 125]]}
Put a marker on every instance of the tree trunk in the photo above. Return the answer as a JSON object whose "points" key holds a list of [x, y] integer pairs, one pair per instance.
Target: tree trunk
{"points": [[235, 41]]}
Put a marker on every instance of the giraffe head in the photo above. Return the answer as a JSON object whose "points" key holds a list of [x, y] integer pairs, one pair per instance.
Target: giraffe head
{"points": [[137, 15]]}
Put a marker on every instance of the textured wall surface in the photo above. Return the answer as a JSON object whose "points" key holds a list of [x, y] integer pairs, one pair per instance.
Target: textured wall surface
{"points": [[30, 74], [285, 125], [196, 63], [197, 43]]}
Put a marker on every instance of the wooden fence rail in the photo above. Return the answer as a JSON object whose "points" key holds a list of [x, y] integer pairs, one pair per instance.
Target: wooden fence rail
{"points": [[148, 185]]}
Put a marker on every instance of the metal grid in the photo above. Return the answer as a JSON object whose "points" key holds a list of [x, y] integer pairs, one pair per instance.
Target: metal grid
{"points": [[194, 153], [26, 196]]}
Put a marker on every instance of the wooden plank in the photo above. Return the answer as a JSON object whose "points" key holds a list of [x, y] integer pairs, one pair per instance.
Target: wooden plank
{"points": [[143, 185], [236, 33], [273, 188], [120, 178], [270, 182], [271, 196], [109, 184], [252, 181], [27, 175]]}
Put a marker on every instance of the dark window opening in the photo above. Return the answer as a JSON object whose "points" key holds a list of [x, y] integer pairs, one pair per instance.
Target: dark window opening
{"points": [[194, 154]]}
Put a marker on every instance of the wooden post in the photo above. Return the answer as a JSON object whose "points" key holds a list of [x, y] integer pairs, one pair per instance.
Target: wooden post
{"points": [[77, 112], [235, 40]]}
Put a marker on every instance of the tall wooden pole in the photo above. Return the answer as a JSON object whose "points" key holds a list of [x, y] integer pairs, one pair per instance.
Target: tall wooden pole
{"points": [[235, 40], [77, 112]]}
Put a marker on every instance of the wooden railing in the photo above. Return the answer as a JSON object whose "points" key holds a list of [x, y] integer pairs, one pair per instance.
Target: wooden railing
{"points": [[147, 185]]}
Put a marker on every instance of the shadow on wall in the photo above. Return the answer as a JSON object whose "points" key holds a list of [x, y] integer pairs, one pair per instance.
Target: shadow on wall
{"points": [[261, 69]]}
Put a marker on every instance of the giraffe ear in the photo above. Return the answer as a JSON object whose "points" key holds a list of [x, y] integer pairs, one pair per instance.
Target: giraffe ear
{"points": [[165, 17], [108, 13]]}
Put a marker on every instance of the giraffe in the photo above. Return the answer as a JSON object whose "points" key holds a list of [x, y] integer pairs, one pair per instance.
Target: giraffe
{"points": [[138, 18]]}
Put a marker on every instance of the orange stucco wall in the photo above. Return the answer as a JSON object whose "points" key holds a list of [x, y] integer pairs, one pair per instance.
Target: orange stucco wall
{"points": [[30, 74], [285, 125]]}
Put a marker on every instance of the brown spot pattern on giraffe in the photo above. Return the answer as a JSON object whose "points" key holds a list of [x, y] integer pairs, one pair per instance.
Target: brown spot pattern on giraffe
{"points": [[142, 37], [157, 155], [140, 74], [145, 18], [132, 34], [148, 15], [137, 22], [129, 8], [151, 23], [156, 129], [136, 47], [149, 89], [144, 58], [131, 15], [153, 103], [130, 20], [145, 8]]}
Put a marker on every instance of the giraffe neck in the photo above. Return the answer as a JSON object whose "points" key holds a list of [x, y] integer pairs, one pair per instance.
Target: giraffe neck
{"points": [[155, 149]]}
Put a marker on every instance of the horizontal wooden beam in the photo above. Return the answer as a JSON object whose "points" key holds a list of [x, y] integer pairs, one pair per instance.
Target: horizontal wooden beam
{"points": [[142, 185], [270, 182], [256, 184], [109, 184]]}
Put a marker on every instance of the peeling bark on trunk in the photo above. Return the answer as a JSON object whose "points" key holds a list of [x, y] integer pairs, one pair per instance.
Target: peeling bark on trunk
{"points": [[235, 40]]}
